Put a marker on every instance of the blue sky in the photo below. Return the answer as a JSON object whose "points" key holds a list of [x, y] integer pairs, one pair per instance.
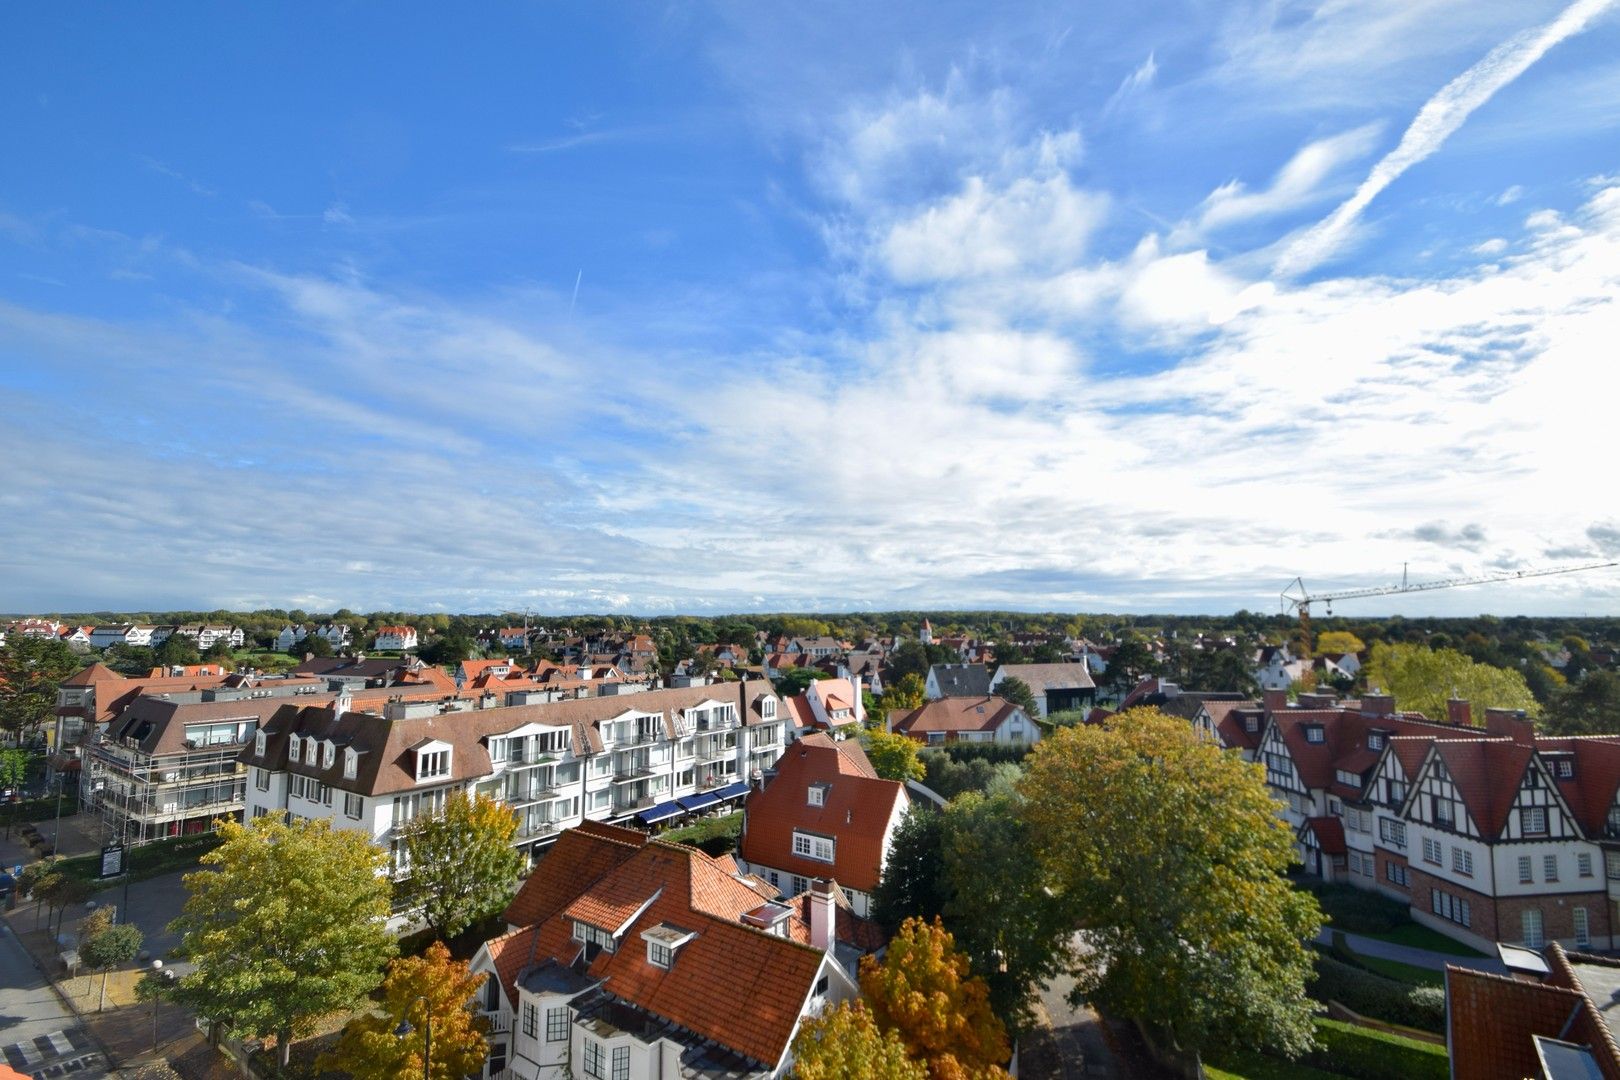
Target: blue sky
{"points": [[840, 306]]}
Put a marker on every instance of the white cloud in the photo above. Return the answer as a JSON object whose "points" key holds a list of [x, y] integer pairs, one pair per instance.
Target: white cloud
{"points": [[1133, 84], [1298, 183], [1029, 224], [1440, 116], [1494, 246], [1511, 194]]}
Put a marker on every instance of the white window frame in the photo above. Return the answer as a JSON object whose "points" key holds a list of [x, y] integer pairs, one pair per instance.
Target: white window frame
{"points": [[810, 846]]}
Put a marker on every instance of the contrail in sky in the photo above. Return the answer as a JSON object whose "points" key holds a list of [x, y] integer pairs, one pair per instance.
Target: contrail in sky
{"points": [[1442, 115], [577, 278]]}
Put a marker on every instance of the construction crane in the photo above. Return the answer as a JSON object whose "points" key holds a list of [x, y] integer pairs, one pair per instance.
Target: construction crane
{"points": [[1301, 599]]}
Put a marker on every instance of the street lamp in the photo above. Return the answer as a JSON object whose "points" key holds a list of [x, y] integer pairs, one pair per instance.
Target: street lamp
{"points": [[405, 1028], [157, 973]]}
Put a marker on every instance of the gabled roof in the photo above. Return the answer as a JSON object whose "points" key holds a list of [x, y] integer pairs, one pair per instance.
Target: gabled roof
{"points": [[737, 985], [856, 809], [1487, 773], [1329, 833], [961, 680], [1492, 1022], [957, 714], [91, 675], [1043, 677]]}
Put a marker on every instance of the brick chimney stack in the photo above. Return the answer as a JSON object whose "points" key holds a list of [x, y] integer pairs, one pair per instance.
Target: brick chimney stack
{"points": [[1458, 712], [1377, 703], [1275, 701], [823, 914], [1513, 723]]}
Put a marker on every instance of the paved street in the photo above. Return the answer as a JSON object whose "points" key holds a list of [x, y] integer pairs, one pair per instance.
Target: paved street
{"points": [[39, 1036], [1407, 954]]}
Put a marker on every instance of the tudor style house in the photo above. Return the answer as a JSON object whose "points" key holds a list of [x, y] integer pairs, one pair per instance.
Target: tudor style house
{"points": [[823, 812], [1490, 834], [648, 757], [630, 958]]}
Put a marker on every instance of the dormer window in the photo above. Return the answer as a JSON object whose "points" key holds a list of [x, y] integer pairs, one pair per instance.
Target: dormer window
{"points": [[818, 794], [1251, 724], [811, 846], [293, 742], [328, 754], [1315, 733], [1375, 740], [663, 941], [432, 759], [258, 744], [594, 937], [351, 761], [767, 708]]}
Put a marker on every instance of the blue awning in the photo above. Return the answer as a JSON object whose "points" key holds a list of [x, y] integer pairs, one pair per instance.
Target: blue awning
{"points": [[660, 812], [731, 791], [698, 802]]}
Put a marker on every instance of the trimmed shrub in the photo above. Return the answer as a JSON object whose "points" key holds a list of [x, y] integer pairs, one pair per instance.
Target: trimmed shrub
{"points": [[995, 753], [1360, 911], [1421, 1007]]}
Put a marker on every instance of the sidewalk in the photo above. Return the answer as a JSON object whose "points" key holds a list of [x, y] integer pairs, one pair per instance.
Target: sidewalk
{"points": [[1407, 954]]}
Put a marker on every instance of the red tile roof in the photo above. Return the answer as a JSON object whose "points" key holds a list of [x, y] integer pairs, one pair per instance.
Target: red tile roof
{"points": [[955, 714], [1491, 1020], [856, 810], [732, 983], [1329, 833]]}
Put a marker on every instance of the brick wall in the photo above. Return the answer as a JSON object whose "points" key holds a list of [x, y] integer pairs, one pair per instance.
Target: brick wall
{"points": [[1384, 884], [1501, 918]]}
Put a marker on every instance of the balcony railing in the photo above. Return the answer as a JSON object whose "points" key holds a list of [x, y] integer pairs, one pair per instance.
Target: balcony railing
{"points": [[630, 774], [625, 806], [499, 1022], [530, 796], [536, 828]]}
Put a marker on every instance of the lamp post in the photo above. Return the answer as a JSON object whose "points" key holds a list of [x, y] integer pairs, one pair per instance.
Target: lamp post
{"points": [[157, 973], [404, 1029]]}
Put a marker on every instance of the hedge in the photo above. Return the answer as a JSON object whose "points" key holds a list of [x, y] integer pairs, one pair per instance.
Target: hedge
{"points": [[1365, 1054], [1421, 1007], [995, 753], [1360, 911]]}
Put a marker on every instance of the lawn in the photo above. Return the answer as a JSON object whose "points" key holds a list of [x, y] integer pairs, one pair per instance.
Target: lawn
{"points": [[1346, 1051], [1421, 937], [715, 835], [1407, 973]]}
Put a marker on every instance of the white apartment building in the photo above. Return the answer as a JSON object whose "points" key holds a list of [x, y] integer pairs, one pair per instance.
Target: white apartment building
{"points": [[645, 757]]}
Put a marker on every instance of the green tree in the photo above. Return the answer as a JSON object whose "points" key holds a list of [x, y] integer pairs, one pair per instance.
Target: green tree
{"points": [[1006, 922], [894, 757], [1590, 707], [1422, 679], [176, 649], [462, 863], [1338, 641], [1221, 669], [311, 645], [286, 923], [31, 669], [925, 991], [13, 772], [913, 882], [1018, 692], [907, 692], [1171, 855], [1131, 662], [844, 1043], [448, 650], [417, 989], [104, 944], [795, 681]]}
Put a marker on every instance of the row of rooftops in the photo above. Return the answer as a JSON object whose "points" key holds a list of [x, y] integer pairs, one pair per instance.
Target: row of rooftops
{"points": [[1487, 764]]}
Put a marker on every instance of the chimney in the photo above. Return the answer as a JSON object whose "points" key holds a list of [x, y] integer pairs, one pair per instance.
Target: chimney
{"points": [[823, 913], [1274, 700], [1377, 703], [1318, 701], [1512, 723], [343, 704], [1458, 712]]}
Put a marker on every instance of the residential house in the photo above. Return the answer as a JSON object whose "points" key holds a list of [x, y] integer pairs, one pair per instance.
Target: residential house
{"points": [[822, 812], [290, 636], [1277, 668], [966, 719], [1492, 834], [102, 637], [636, 959], [400, 638], [514, 638], [816, 648], [337, 635], [831, 705], [1056, 687], [957, 680]]}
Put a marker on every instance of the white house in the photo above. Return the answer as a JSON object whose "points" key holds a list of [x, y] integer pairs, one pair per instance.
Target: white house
{"points": [[966, 719], [1056, 687], [1276, 668], [396, 637], [290, 636]]}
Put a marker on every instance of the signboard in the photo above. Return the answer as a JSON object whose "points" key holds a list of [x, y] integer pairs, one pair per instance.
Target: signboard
{"points": [[112, 860]]}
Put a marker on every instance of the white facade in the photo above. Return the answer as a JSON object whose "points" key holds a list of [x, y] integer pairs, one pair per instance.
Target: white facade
{"points": [[396, 637]]}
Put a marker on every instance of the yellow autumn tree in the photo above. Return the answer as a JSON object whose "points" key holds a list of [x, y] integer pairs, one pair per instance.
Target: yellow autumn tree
{"points": [[845, 1044], [925, 992], [1338, 641], [419, 990]]}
